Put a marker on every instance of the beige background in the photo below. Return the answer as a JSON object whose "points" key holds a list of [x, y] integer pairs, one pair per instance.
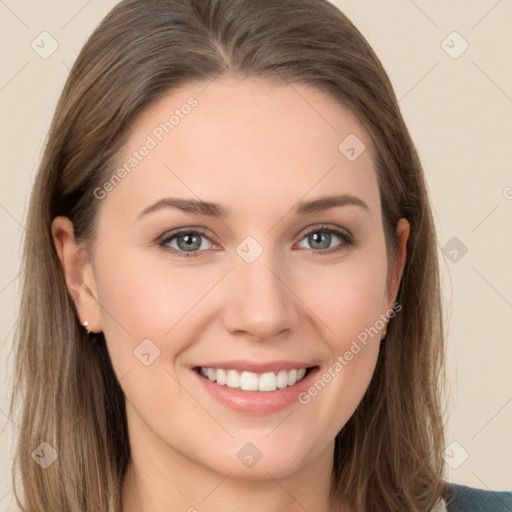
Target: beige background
{"points": [[459, 113]]}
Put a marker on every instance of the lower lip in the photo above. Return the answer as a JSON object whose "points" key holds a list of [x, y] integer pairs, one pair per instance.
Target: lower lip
{"points": [[257, 402]]}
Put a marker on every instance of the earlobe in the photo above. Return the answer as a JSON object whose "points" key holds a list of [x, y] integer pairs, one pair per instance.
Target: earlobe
{"points": [[77, 271]]}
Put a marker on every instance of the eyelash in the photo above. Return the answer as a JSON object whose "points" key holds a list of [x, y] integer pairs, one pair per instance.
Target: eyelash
{"points": [[347, 240]]}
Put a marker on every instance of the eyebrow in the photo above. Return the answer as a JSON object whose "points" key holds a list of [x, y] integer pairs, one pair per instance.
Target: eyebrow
{"points": [[217, 211]]}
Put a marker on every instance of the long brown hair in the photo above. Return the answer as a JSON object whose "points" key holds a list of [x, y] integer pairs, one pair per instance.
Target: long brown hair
{"points": [[388, 457]]}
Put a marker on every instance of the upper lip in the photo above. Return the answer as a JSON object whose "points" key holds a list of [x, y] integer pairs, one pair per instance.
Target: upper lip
{"points": [[256, 367]]}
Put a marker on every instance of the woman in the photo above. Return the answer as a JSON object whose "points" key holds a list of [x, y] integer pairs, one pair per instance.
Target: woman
{"points": [[231, 296]]}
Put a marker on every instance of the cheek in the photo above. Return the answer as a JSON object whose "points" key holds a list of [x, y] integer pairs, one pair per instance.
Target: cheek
{"points": [[349, 301], [347, 298], [142, 300]]}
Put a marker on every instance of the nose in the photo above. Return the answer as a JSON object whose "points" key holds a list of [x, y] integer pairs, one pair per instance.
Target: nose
{"points": [[261, 303]]}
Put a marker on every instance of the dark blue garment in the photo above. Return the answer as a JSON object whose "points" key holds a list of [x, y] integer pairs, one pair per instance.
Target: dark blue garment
{"points": [[460, 498]]}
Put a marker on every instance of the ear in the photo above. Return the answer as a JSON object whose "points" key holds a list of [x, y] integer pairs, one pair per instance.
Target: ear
{"points": [[403, 230], [78, 273]]}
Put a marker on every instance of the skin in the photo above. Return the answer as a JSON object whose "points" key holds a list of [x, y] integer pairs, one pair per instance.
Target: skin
{"points": [[256, 149]]}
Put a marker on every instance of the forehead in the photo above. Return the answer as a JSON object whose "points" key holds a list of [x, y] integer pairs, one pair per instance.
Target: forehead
{"points": [[246, 139]]}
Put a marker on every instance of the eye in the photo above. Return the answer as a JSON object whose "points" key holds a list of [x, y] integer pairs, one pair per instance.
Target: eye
{"points": [[321, 238], [186, 243], [193, 242]]}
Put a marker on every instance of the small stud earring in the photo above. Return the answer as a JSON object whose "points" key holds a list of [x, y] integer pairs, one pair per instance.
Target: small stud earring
{"points": [[86, 325]]}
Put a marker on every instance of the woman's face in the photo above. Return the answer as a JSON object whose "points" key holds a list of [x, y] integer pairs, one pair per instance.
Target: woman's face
{"points": [[268, 281]]}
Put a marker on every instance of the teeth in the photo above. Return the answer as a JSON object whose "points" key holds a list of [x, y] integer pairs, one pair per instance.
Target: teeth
{"points": [[292, 377], [282, 379], [250, 381], [267, 381], [233, 379], [221, 377]]}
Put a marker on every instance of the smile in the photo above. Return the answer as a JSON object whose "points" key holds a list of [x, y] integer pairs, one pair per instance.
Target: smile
{"points": [[251, 381], [255, 387]]}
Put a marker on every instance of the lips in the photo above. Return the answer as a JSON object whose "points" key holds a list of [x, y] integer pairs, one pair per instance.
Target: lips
{"points": [[265, 399]]}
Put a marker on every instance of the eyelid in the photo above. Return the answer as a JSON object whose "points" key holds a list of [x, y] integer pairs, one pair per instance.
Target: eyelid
{"points": [[326, 227]]}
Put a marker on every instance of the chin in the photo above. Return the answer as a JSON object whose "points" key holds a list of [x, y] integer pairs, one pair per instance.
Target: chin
{"points": [[260, 460]]}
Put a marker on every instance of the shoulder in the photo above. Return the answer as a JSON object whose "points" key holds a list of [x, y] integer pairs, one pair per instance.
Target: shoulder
{"points": [[460, 498]]}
